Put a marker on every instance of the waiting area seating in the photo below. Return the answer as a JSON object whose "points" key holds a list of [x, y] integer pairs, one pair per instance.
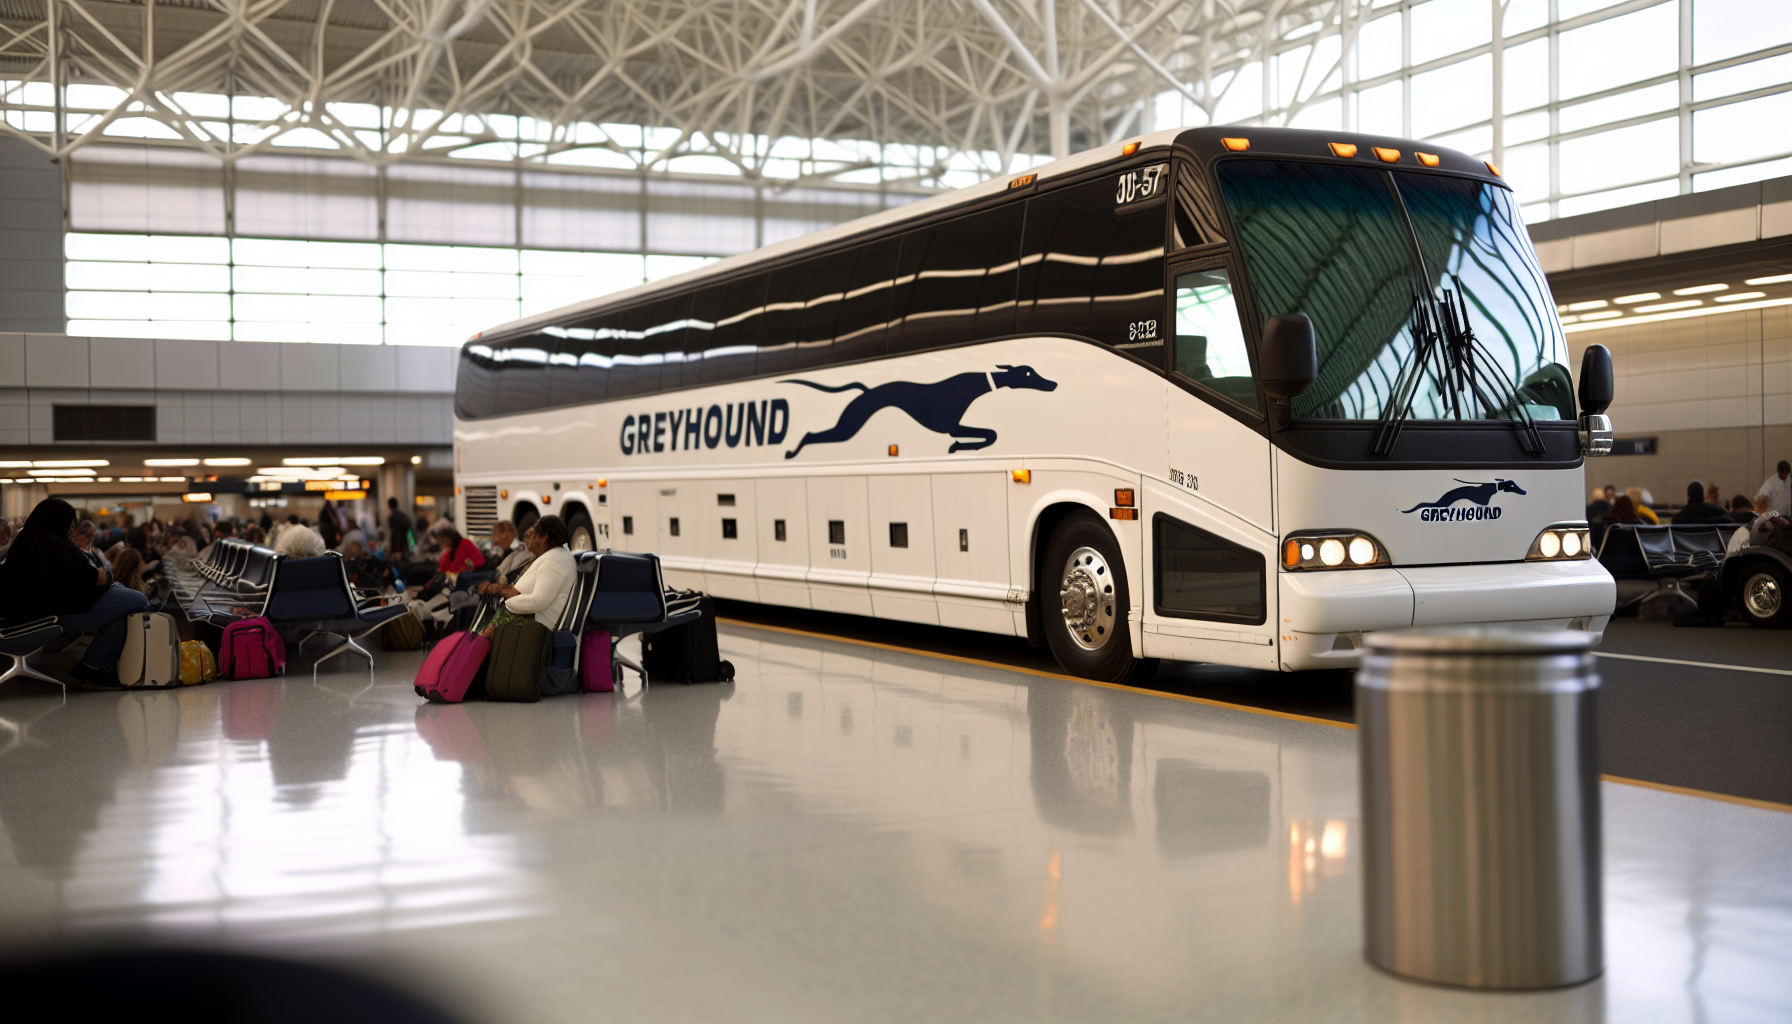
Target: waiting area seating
{"points": [[1665, 555], [19, 642], [314, 596], [631, 598]]}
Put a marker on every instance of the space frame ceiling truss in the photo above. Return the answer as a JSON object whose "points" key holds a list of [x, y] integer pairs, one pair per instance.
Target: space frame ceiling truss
{"points": [[970, 83]]}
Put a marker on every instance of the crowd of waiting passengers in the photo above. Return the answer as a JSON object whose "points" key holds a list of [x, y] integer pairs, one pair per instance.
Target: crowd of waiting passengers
{"points": [[93, 574]]}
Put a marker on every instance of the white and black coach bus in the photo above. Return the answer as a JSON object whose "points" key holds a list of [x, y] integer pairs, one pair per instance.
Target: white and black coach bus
{"points": [[1231, 395]]}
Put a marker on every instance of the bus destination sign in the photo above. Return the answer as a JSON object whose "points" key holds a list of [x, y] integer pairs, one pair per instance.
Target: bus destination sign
{"points": [[1141, 184]]}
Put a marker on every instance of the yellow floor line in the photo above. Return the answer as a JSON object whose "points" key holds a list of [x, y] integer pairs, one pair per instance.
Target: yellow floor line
{"points": [[1766, 805]]}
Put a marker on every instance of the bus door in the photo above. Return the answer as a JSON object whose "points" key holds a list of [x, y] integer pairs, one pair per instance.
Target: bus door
{"points": [[1209, 596]]}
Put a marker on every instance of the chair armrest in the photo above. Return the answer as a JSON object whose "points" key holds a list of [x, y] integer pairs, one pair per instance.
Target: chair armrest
{"points": [[26, 628]]}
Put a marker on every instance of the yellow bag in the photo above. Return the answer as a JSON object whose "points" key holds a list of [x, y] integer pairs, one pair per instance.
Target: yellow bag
{"points": [[197, 664]]}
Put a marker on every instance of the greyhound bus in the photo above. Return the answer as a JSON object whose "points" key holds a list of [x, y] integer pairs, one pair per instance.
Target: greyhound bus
{"points": [[1230, 395]]}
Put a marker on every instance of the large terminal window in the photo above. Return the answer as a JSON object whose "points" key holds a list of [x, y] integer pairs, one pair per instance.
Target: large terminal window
{"points": [[1334, 243]]}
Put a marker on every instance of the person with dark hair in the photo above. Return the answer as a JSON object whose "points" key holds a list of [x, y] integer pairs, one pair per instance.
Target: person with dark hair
{"points": [[221, 529], [83, 533], [127, 569], [1742, 510], [46, 574], [398, 526], [1698, 510], [458, 553], [545, 587], [328, 526], [1777, 489], [1623, 511]]}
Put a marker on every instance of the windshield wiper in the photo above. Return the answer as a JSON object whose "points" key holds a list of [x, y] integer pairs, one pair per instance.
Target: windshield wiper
{"points": [[1442, 333]]}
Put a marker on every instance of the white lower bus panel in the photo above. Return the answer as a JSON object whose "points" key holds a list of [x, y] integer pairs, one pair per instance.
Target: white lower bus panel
{"points": [[1324, 614]]}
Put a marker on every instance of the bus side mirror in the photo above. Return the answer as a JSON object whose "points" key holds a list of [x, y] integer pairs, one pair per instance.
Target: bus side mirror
{"points": [[1596, 385], [1289, 361]]}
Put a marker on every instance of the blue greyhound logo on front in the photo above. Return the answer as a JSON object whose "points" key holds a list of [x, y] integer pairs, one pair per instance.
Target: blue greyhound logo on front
{"points": [[940, 406], [1478, 495]]}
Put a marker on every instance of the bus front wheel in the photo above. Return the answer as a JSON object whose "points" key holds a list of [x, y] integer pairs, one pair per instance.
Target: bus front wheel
{"points": [[1084, 602], [580, 536]]}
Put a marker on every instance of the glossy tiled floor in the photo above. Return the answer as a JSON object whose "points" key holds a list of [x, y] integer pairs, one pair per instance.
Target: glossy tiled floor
{"points": [[844, 834]]}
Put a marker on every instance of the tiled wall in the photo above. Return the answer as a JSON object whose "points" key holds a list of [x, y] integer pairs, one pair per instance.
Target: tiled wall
{"points": [[1715, 391], [30, 239], [209, 392]]}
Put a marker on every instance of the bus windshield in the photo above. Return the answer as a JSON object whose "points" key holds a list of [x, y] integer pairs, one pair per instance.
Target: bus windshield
{"points": [[1335, 243]]}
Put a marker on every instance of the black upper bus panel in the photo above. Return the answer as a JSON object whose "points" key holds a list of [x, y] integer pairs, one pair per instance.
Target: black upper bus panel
{"points": [[1305, 144]]}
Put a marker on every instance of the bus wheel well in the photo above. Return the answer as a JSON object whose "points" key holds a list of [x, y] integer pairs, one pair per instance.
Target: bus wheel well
{"points": [[1048, 521], [523, 516]]}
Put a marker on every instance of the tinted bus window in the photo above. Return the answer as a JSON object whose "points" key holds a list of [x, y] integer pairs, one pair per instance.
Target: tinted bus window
{"points": [[800, 311], [1201, 576], [722, 341], [522, 375], [864, 319], [476, 385], [1094, 267], [956, 281], [579, 366]]}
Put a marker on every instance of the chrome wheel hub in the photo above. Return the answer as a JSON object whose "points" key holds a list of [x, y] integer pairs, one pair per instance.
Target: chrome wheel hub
{"points": [[581, 540], [1086, 598], [1762, 595]]}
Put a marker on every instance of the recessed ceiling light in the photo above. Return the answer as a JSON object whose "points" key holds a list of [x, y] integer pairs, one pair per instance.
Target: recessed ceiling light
{"points": [[1575, 307], [172, 479], [1739, 296], [1775, 279], [227, 462], [170, 462], [1607, 315], [61, 472], [1569, 319], [1701, 289], [71, 463], [1625, 300], [1659, 307], [132, 479]]}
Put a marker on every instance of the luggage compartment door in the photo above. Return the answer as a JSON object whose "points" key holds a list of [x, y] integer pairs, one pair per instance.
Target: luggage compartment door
{"points": [[970, 543], [902, 536], [839, 545]]}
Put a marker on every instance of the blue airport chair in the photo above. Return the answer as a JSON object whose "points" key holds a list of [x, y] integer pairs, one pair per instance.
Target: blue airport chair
{"points": [[19, 642], [570, 630], [314, 594], [630, 599]]}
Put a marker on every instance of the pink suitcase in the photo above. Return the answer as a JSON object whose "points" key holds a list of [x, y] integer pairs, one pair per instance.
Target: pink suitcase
{"points": [[453, 666], [594, 662]]}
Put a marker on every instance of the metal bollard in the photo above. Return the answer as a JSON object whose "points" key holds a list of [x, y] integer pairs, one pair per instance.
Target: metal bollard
{"points": [[1480, 801]]}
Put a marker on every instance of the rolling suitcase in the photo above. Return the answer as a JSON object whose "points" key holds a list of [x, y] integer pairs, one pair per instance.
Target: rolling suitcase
{"points": [[687, 653], [251, 649], [453, 669], [596, 672], [151, 655], [519, 662]]}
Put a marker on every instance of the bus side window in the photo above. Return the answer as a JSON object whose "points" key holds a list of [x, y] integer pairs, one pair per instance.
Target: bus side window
{"points": [[522, 375], [1209, 346], [956, 281], [476, 385], [724, 331], [1201, 576], [1093, 268]]}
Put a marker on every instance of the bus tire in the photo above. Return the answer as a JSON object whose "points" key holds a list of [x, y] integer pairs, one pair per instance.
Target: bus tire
{"points": [[580, 534], [1084, 601], [1764, 595]]}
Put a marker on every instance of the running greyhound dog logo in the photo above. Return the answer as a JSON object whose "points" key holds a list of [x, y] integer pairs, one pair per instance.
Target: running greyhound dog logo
{"points": [[940, 406], [1477, 494]]}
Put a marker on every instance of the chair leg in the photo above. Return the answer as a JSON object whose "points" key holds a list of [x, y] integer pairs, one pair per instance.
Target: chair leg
{"points": [[347, 644], [618, 658], [21, 668]]}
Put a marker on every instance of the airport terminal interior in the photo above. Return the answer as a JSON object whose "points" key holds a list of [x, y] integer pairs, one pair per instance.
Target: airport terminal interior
{"points": [[350, 666]]}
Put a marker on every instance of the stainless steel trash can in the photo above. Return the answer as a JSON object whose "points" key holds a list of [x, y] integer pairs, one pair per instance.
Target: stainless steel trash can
{"points": [[1480, 806]]}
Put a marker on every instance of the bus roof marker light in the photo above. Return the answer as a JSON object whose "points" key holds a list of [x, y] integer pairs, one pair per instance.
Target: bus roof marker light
{"points": [[1428, 159], [1022, 181], [1129, 149], [1387, 156], [1021, 476], [1495, 171], [1236, 145], [1347, 150]]}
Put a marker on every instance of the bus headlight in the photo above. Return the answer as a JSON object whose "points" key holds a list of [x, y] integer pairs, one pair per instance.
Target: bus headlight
{"points": [[1561, 542], [1333, 549]]}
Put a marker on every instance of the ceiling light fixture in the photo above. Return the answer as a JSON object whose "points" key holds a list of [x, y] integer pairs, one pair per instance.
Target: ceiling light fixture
{"points": [[1701, 289], [1740, 296], [1775, 279], [227, 462], [170, 462], [53, 473], [70, 463], [1664, 306], [1625, 300], [1575, 307], [1607, 315]]}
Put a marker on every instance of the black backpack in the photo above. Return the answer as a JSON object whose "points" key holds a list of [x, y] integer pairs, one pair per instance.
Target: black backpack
{"points": [[687, 653], [518, 662]]}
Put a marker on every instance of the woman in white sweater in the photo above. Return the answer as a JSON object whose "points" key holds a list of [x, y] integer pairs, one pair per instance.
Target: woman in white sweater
{"points": [[545, 587]]}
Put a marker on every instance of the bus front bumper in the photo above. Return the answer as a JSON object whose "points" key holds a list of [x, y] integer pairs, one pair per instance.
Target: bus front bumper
{"points": [[1323, 615]]}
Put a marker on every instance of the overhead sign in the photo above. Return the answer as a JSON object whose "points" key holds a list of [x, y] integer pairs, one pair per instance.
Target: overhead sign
{"points": [[1633, 446]]}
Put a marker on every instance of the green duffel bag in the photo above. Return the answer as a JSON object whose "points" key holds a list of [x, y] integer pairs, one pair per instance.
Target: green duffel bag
{"points": [[403, 633], [519, 661]]}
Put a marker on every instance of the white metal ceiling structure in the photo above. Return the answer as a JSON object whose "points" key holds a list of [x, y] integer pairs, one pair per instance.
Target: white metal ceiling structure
{"points": [[974, 82]]}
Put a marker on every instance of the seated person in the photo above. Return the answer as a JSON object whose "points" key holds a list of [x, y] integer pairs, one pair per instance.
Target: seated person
{"points": [[546, 585], [46, 574], [1639, 502], [458, 553], [127, 569], [365, 572], [1742, 510], [222, 529], [84, 533], [1698, 511], [297, 541], [514, 555]]}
